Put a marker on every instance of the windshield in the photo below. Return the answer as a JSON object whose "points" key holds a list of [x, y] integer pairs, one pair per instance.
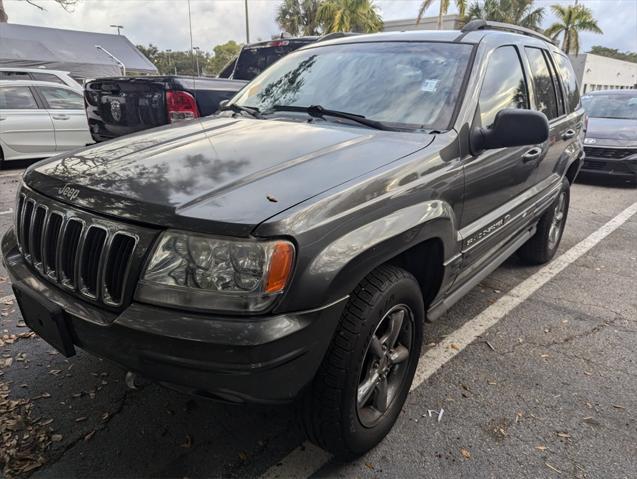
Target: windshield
{"points": [[622, 106], [408, 85]]}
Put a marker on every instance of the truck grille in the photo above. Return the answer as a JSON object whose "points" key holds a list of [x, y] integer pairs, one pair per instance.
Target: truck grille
{"points": [[612, 153], [94, 257]]}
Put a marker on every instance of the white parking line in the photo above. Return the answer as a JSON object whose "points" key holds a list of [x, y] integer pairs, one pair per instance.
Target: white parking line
{"points": [[8, 212], [307, 459]]}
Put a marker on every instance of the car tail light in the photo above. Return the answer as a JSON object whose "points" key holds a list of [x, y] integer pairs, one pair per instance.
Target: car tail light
{"points": [[181, 105], [278, 43]]}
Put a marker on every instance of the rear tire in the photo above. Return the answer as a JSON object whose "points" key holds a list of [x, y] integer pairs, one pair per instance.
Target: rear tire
{"points": [[541, 248], [365, 376]]}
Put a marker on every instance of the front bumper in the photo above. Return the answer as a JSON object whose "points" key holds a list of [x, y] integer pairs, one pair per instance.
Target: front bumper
{"points": [[624, 167], [264, 359]]}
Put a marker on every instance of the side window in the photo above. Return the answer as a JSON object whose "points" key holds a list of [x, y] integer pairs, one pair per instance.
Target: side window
{"points": [[17, 98], [504, 85], [47, 77], [569, 81], [7, 75], [61, 98], [544, 89]]}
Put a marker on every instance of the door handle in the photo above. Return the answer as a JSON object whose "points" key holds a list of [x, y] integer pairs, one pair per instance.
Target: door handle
{"points": [[568, 134], [60, 117], [531, 155]]}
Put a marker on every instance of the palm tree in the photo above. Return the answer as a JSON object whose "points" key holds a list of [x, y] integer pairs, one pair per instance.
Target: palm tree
{"points": [[444, 8], [515, 12], [349, 16], [299, 17], [572, 19]]}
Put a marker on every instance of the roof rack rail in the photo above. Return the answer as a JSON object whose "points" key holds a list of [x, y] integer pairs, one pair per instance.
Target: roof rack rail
{"points": [[475, 25]]}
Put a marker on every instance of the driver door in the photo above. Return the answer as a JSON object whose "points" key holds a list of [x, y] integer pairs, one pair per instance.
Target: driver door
{"points": [[496, 180]]}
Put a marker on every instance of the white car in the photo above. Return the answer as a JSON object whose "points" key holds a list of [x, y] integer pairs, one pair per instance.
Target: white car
{"points": [[40, 119], [40, 74]]}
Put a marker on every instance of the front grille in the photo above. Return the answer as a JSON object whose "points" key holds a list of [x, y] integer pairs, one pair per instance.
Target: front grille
{"points": [[612, 153], [88, 255], [594, 165]]}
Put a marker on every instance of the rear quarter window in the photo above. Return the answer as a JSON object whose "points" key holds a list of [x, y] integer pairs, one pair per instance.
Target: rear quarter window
{"points": [[569, 81], [47, 77]]}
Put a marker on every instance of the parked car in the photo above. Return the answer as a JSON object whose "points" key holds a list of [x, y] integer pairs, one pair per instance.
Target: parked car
{"points": [[294, 246], [611, 137], [40, 74], [40, 119], [120, 106]]}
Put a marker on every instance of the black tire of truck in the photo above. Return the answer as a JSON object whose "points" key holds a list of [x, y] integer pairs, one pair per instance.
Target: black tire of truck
{"points": [[361, 386], [541, 248]]}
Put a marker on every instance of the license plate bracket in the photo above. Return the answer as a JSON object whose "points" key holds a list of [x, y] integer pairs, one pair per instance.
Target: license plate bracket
{"points": [[45, 318]]}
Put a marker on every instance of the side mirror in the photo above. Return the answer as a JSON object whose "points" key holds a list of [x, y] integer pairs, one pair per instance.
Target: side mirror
{"points": [[511, 128], [223, 104]]}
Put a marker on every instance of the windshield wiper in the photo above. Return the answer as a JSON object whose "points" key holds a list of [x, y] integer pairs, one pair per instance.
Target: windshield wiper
{"points": [[317, 111], [254, 112]]}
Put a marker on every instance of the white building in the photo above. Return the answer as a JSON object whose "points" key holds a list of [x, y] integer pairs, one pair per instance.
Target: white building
{"points": [[595, 72], [449, 22]]}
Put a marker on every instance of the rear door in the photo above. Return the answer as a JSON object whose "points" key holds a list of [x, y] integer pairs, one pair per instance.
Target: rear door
{"points": [[572, 128], [25, 128], [548, 99], [66, 108]]}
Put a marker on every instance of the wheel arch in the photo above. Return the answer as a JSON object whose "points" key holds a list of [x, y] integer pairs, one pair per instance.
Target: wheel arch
{"points": [[427, 229]]}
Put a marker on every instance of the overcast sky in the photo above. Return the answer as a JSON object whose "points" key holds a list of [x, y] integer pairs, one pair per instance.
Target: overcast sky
{"points": [[165, 22]]}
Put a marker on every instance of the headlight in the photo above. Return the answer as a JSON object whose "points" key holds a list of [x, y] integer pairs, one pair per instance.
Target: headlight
{"points": [[206, 273]]}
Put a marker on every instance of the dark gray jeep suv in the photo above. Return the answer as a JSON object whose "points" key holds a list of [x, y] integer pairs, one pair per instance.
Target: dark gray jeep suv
{"points": [[295, 244]]}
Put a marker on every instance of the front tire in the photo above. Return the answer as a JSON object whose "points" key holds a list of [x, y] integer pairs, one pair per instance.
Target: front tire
{"points": [[541, 248], [365, 376]]}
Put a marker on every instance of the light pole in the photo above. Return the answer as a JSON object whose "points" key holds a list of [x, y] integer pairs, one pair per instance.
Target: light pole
{"points": [[119, 27], [247, 22], [196, 49]]}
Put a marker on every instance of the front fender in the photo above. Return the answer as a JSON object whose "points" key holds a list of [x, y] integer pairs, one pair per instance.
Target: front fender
{"points": [[339, 266]]}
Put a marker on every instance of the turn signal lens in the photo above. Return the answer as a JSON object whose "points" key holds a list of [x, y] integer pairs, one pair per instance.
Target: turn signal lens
{"points": [[280, 267]]}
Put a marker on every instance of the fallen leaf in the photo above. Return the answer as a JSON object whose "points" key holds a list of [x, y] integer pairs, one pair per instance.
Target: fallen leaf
{"points": [[243, 456], [188, 442], [553, 468], [455, 346], [466, 454], [540, 448], [369, 466], [544, 355], [56, 437], [564, 434], [81, 419], [89, 435], [617, 406]]}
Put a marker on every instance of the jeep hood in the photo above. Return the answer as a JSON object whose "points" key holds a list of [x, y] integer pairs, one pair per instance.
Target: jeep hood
{"points": [[220, 175]]}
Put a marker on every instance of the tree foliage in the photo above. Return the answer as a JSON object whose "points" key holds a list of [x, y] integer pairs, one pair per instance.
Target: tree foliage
{"points": [[614, 53], [299, 17], [184, 62], [65, 4], [572, 19], [444, 9], [349, 16], [517, 12]]}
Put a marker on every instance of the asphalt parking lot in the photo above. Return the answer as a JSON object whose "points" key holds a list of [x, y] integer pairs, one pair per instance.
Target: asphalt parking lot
{"points": [[533, 374]]}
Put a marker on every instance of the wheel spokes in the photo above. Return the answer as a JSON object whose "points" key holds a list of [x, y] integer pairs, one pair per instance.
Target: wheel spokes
{"points": [[380, 401], [395, 325], [376, 347], [399, 354], [366, 388]]}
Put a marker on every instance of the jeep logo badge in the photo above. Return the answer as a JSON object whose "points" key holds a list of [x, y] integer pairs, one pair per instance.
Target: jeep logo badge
{"points": [[68, 192]]}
